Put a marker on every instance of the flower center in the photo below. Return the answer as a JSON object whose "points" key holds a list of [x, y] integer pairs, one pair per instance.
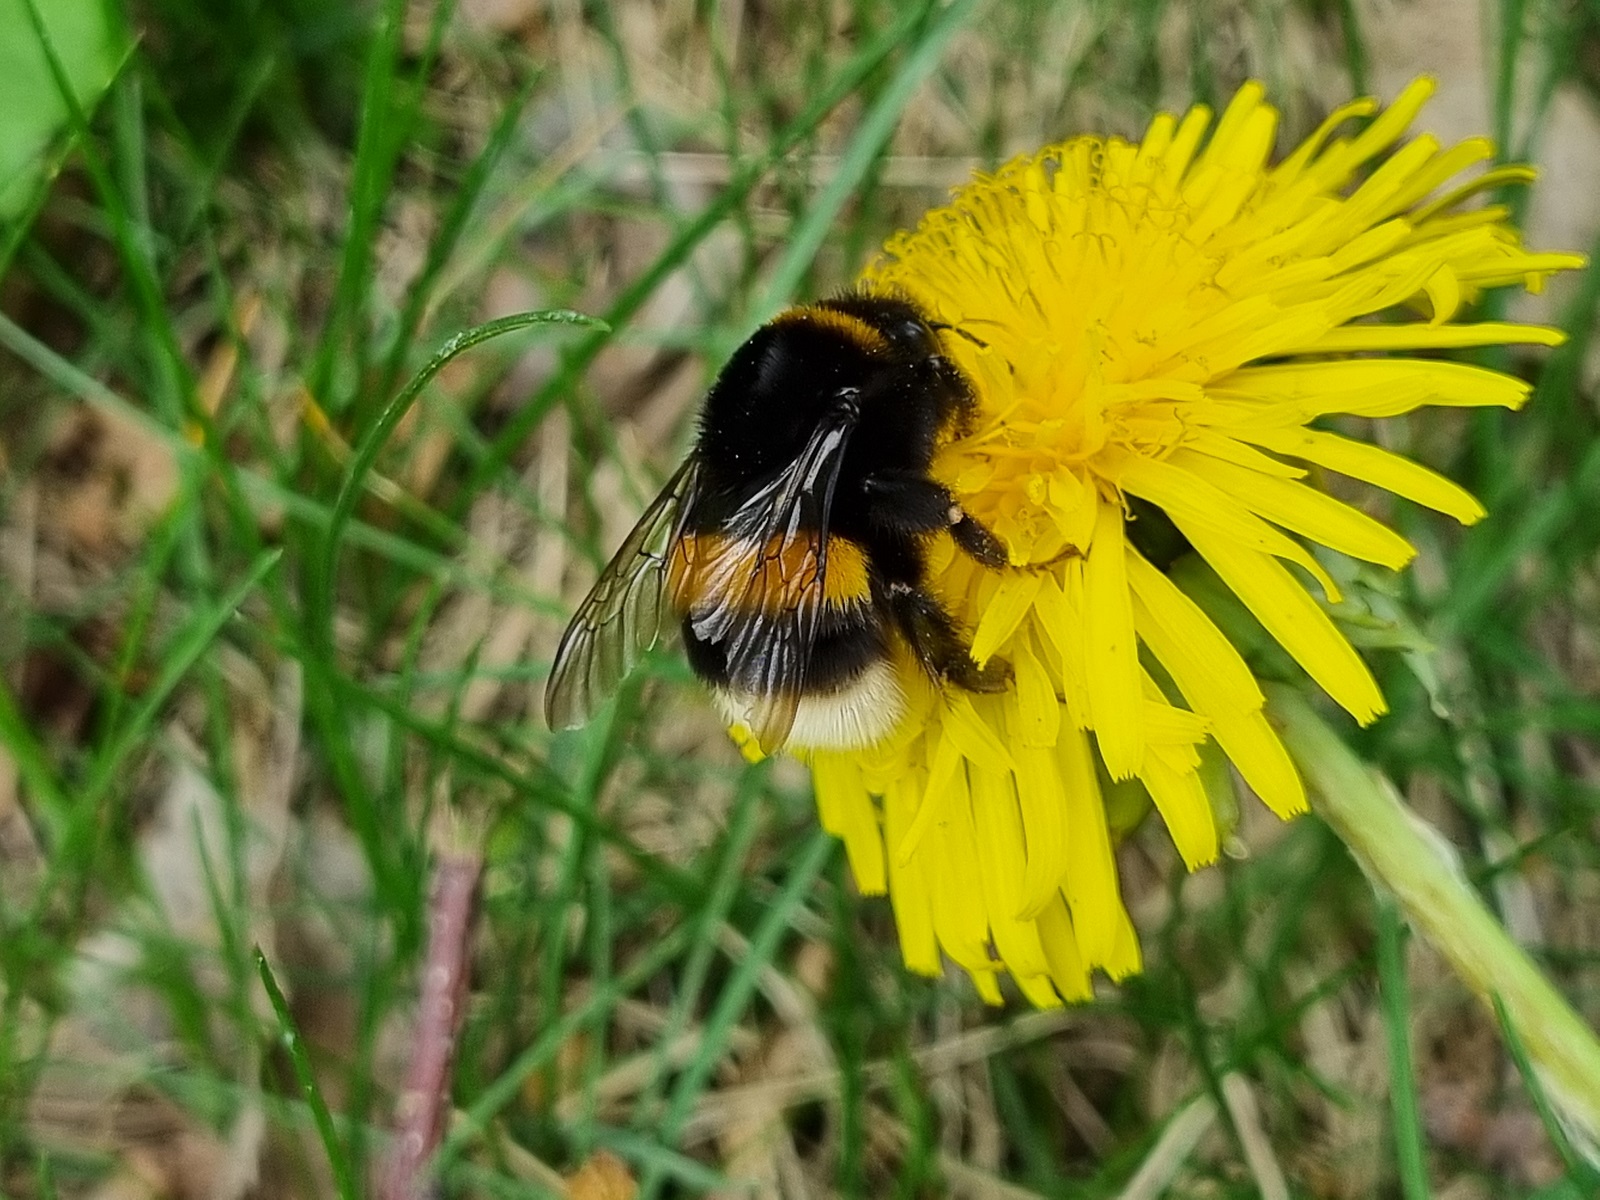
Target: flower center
{"points": [[1102, 284]]}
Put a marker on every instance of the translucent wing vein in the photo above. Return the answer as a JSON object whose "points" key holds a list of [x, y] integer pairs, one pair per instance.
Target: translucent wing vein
{"points": [[620, 619]]}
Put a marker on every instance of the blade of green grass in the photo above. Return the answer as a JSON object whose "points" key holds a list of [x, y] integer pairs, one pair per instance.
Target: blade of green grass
{"points": [[344, 1179], [657, 1159], [736, 993], [632, 298], [454, 223], [318, 652], [86, 819], [319, 592], [865, 148], [503, 1090], [1355, 46], [378, 143], [535, 782], [1532, 515], [268, 494], [173, 386], [1409, 1149], [87, 43], [742, 828], [51, 806], [1508, 50], [1581, 1170], [177, 659]]}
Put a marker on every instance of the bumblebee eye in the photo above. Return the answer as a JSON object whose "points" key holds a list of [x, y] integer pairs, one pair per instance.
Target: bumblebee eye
{"points": [[912, 330]]}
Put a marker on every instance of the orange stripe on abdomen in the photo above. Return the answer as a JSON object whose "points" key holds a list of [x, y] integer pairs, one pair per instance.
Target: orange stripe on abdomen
{"points": [[709, 570]]}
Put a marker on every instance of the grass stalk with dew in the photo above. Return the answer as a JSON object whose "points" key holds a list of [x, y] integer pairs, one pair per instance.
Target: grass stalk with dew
{"points": [[1409, 859]]}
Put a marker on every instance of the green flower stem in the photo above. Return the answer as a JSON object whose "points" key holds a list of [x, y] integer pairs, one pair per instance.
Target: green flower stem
{"points": [[1404, 854]]}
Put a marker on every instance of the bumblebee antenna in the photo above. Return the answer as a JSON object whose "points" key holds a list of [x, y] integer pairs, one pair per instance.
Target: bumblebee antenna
{"points": [[959, 332]]}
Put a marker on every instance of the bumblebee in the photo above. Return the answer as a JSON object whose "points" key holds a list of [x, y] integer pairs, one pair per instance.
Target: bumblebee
{"points": [[790, 548]]}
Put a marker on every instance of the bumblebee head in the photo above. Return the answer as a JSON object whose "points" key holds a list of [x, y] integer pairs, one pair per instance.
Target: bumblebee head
{"points": [[900, 330], [796, 373]]}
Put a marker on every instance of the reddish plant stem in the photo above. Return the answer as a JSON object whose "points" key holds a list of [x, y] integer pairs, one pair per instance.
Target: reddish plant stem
{"points": [[423, 1106]]}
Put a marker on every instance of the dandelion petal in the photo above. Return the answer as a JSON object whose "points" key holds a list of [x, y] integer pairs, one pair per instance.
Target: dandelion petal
{"points": [[1111, 658], [1298, 623], [908, 885]]}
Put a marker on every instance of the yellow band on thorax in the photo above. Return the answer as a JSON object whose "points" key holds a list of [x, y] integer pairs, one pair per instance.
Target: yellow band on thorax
{"points": [[852, 327]]}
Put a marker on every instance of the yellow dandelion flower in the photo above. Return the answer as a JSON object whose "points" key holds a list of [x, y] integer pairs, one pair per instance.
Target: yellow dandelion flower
{"points": [[1158, 322]]}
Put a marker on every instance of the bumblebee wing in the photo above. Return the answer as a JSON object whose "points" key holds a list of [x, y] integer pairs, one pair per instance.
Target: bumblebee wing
{"points": [[620, 619], [772, 719], [768, 607]]}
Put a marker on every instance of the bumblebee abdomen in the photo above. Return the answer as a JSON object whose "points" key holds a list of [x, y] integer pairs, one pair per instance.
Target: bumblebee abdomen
{"points": [[836, 660]]}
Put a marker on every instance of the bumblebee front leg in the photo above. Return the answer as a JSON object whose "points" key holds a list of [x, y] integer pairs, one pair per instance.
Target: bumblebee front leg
{"points": [[938, 644], [905, 502]]}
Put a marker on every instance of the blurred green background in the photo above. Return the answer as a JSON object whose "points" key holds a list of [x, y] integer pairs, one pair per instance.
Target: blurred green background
{"points": [[246, 702]]}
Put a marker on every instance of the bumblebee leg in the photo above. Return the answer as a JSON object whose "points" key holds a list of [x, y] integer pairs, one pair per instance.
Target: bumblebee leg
{"points": [[939, 646], [904, 502], [976, 538], [993, 676]]}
